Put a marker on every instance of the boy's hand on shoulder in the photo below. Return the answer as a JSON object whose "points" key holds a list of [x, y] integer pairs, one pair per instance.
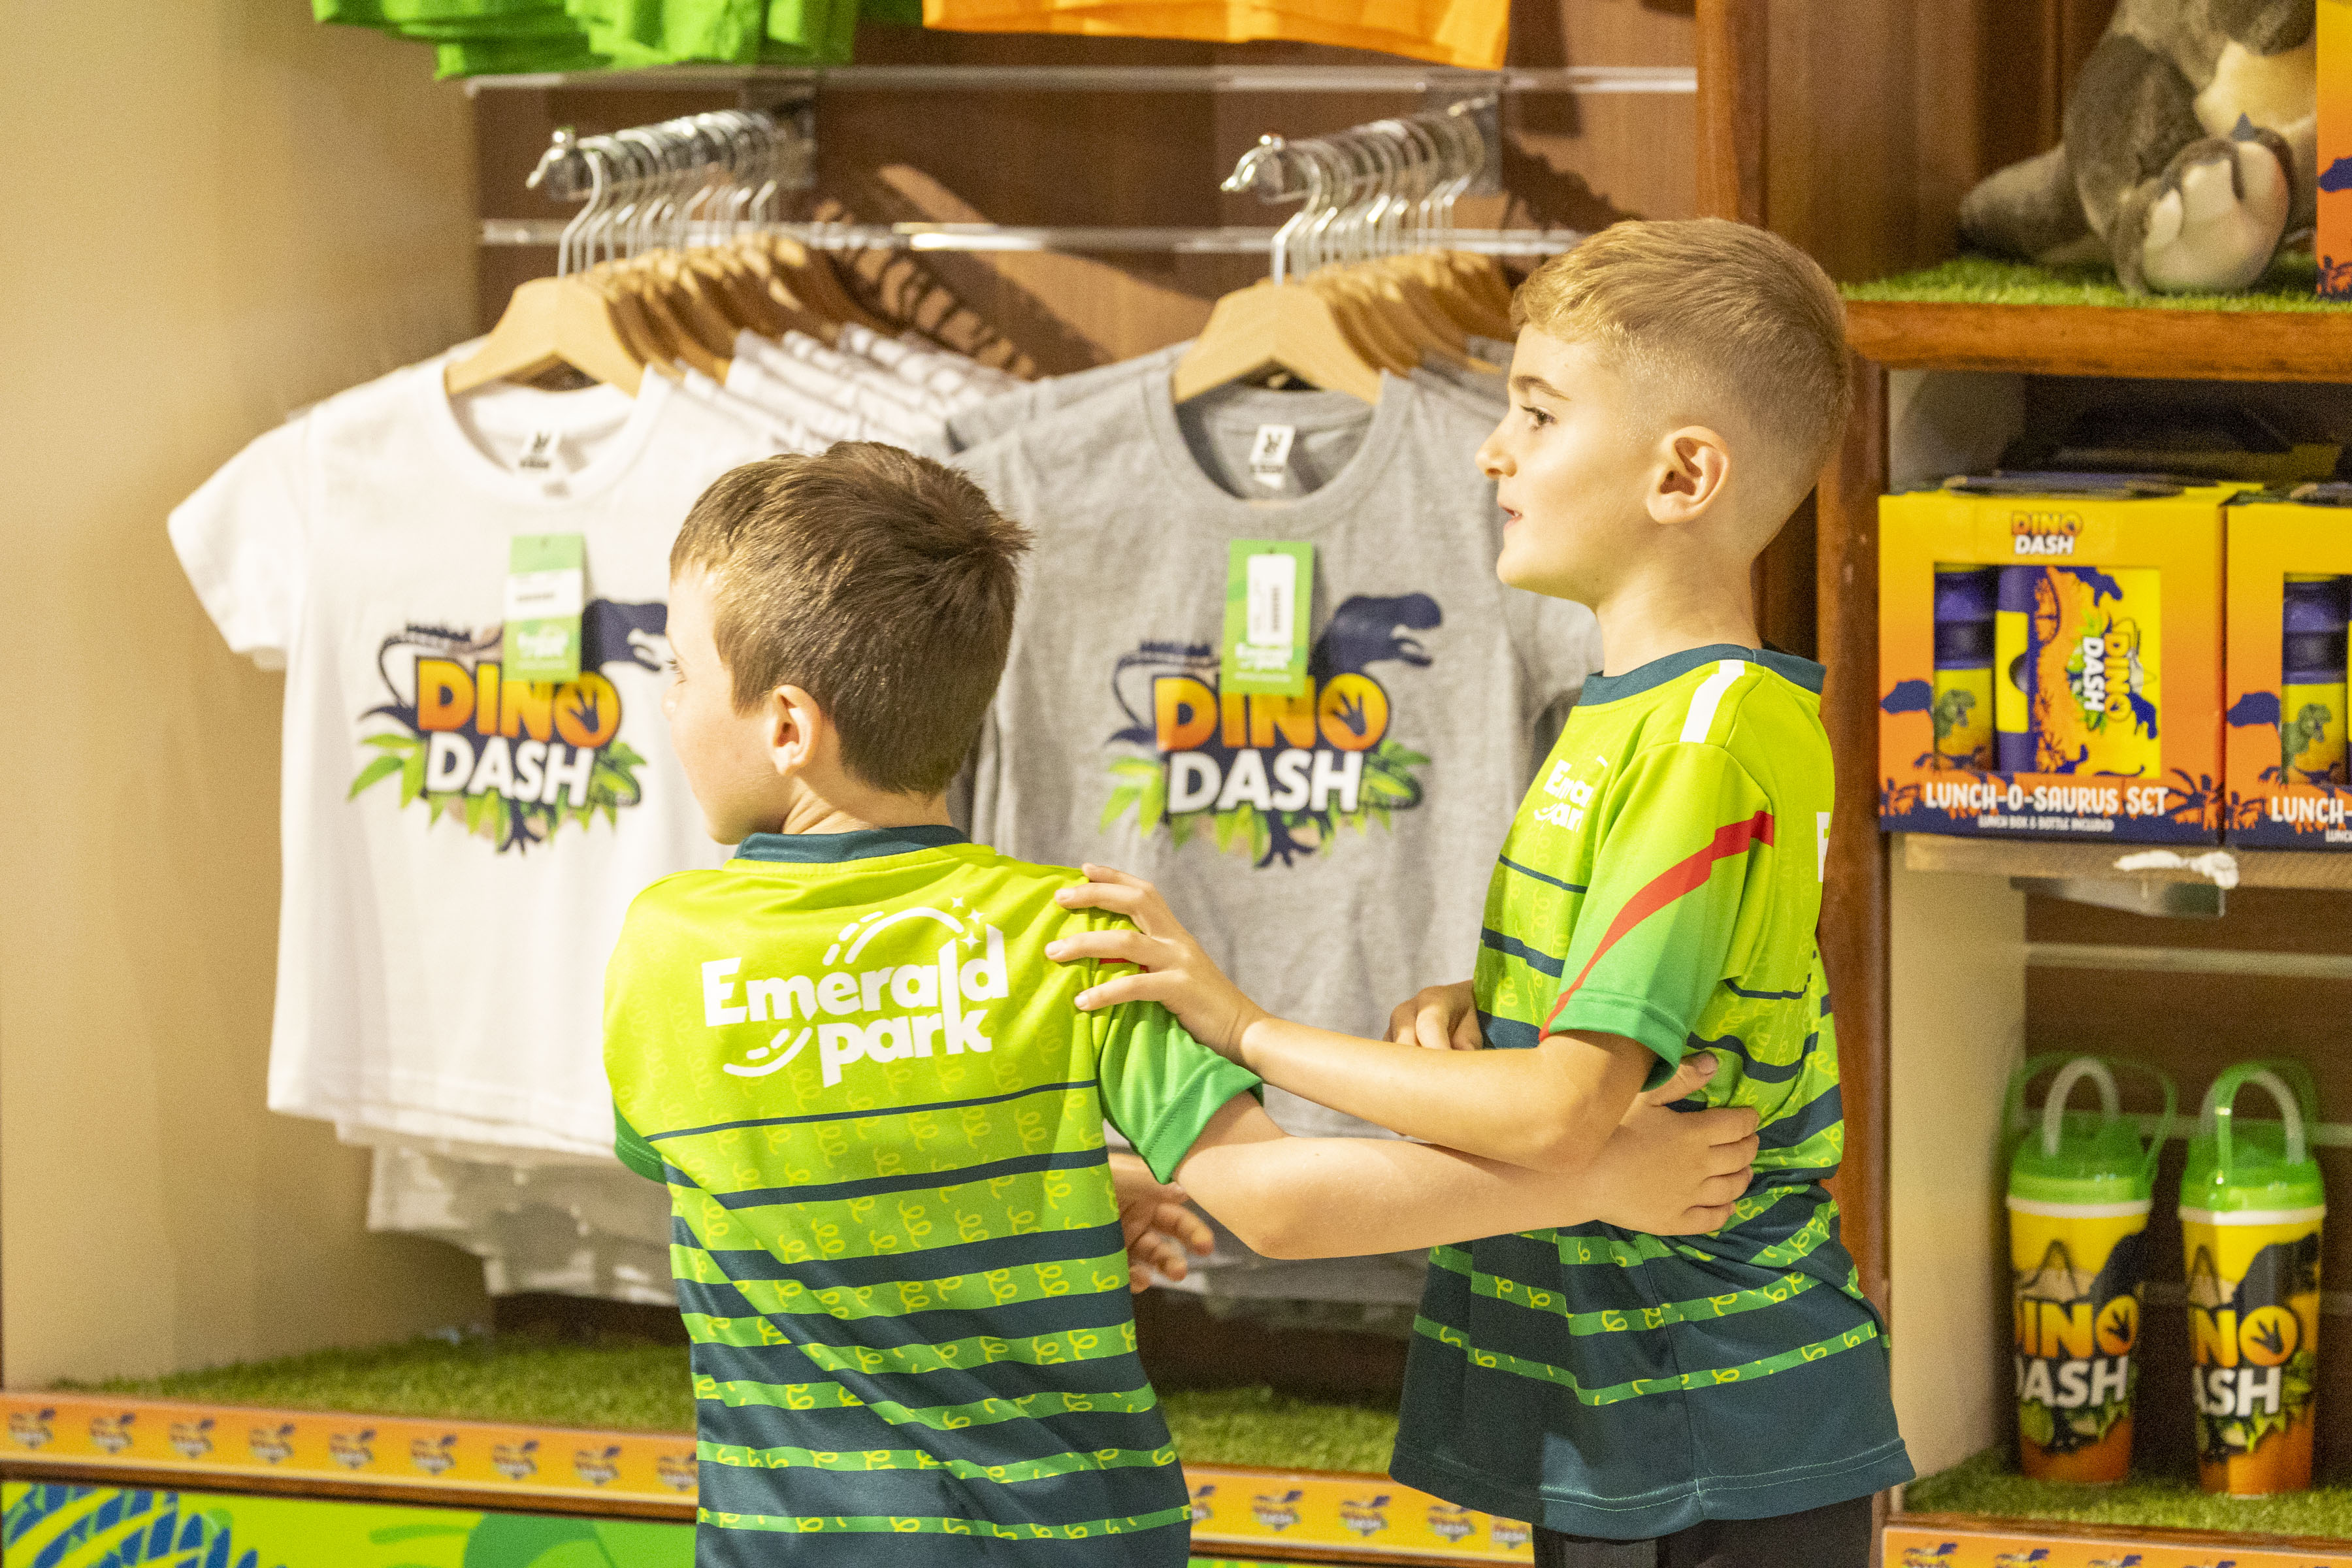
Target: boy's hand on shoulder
{"points": [[1158, 1227], [1171, 969], [1439, 1018], [1675, 1173]]}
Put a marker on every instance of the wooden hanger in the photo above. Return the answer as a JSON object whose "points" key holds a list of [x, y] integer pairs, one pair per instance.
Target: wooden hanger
{"points": [[551, 322], [811, 280], [1411, 302], [793, 313], [1365, 321], [1285, 326]]}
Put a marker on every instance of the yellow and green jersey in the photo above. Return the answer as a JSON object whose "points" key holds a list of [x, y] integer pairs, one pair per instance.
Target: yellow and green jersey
{"points": [[897, 1249], [1662, 881]]}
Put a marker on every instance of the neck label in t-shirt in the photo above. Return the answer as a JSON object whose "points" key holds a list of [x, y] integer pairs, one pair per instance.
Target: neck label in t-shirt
{"points": [[1269, 459], [1268, 584], [546, 590]]}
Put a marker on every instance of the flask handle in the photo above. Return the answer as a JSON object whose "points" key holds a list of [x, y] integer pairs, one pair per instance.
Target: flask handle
{"points": [[2271, 1079], [2053, 1104], [2073, 1071]]}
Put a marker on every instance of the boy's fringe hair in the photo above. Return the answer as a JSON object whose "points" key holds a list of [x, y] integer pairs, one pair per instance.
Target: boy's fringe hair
{"points": [[1716, 306]]}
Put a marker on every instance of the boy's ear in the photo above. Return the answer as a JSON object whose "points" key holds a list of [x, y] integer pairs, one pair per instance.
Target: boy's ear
{"points": [[796, 728], [1694, 464]]}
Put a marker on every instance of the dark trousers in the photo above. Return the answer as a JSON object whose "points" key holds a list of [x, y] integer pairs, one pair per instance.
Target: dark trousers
{"points": [[1837, 1536]]}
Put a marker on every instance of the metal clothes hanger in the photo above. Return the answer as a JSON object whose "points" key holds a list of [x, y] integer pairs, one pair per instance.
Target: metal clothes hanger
{"points": [[558, 320], [1379, 292]]}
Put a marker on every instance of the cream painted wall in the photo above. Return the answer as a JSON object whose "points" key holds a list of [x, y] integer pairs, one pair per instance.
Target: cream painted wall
{"points": [[219, 212], [1955, 1025]]}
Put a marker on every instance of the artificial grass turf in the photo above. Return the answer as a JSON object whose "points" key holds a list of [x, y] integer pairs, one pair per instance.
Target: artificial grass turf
{"points": [[631, 1386], [1986, 1485], [2289, 285]]}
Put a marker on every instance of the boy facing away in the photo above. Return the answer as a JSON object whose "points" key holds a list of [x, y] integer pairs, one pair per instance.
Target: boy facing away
{"points": [[880, 1116], [1720, 1399]]}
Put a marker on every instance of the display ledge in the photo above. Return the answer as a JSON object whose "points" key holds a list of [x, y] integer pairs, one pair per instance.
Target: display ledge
{"points": [[598, 1429], [1972, 1514], [2312, 869], [89, 1440], [1976, 314], [1963, 1540]]}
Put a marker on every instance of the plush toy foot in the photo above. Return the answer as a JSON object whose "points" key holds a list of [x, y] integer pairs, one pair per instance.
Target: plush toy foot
{"points": [[2216, 217]]}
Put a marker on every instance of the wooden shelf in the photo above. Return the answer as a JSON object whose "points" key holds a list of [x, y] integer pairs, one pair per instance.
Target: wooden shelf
{"points": [[2091, 340], [2096, 862], [1966, 1541]]}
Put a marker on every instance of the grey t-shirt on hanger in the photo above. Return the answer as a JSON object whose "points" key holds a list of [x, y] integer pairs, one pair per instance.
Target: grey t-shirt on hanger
{"points": [[1333, 854], [985, 421]]}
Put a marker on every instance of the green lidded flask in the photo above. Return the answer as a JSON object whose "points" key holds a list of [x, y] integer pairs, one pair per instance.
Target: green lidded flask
{"points": [[2081, 1185], [2250, 1205]]}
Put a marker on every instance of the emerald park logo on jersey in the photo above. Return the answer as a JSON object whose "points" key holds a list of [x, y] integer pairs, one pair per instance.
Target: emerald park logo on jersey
{"points": [[1276, 776], [513, 761], [887, 1013]]}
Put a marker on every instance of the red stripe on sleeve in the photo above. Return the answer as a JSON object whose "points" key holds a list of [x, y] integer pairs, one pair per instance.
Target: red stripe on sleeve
{"points": [[1732, 838]]}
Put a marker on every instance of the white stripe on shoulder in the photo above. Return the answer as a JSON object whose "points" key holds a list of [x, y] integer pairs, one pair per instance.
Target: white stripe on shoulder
{"points": [[1709, 696]]}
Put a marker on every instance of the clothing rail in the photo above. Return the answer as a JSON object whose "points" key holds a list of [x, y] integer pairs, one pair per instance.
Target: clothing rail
{"points": [[1114, 79], [989, 236]]}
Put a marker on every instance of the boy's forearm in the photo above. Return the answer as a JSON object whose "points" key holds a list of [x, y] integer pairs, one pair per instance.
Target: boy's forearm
{"points": [[1548, 1109], [1343, 1197]]}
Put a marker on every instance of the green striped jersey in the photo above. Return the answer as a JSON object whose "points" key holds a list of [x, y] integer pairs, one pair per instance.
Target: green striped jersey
{"points": [[1662, 881], [897, 1249]]}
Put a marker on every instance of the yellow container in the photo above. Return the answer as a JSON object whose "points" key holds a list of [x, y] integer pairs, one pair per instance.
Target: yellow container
{"points": [[2079, 1195], [2250, 1208]]}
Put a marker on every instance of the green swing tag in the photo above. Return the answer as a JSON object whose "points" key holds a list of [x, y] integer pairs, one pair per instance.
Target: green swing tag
{"points": [[1269, 594], [546, 589]]}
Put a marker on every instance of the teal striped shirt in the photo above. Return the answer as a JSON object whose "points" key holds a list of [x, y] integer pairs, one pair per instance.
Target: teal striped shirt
{"points": [[1661, 882]]}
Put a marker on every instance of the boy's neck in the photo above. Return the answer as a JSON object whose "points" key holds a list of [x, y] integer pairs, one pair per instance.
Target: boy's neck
{"points": [[811, 812], [1650, 619]]}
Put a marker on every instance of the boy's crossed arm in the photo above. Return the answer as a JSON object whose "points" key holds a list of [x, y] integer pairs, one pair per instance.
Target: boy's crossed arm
{"points": [[1552, 1109], [1663, 1172]]}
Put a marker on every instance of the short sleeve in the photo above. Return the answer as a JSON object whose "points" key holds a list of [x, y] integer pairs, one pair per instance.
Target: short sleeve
{"points": [[633, 1151], [1159, 1084], [243, 541], [1559, 645], [1678, 897]]}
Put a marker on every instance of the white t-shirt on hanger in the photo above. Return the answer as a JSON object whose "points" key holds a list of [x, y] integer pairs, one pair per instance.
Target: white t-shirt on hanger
{"points": [[766, 371], [453, 882]]}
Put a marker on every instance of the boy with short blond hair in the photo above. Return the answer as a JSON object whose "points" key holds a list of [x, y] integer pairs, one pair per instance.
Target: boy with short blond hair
{"points": [[1721, 1400], [880, 1118]]}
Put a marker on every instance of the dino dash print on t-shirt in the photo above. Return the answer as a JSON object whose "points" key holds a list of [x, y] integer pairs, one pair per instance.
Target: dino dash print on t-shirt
{"points": [[511, 761], [1278, 777]]}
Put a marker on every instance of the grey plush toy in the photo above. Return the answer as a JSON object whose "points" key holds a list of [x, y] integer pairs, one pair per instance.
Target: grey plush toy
{"points": [[2189, 150]]}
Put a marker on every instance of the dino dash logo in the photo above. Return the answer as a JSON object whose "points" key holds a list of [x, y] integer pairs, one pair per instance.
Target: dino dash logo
{"points": [[597, 1467], [32, 1428], [511, 761], [677, 1471], [2043, 532], [111, 1434], [1277, 776], [192, 1440], [1277, 1514], [1365, 1518], [1455, 1524], [516, 1461], [433, 1455], [272, 1445], [353, 1450]]}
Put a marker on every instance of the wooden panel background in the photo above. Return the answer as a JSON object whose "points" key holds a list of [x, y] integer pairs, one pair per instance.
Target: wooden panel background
{"points": [[1121, 158]]}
